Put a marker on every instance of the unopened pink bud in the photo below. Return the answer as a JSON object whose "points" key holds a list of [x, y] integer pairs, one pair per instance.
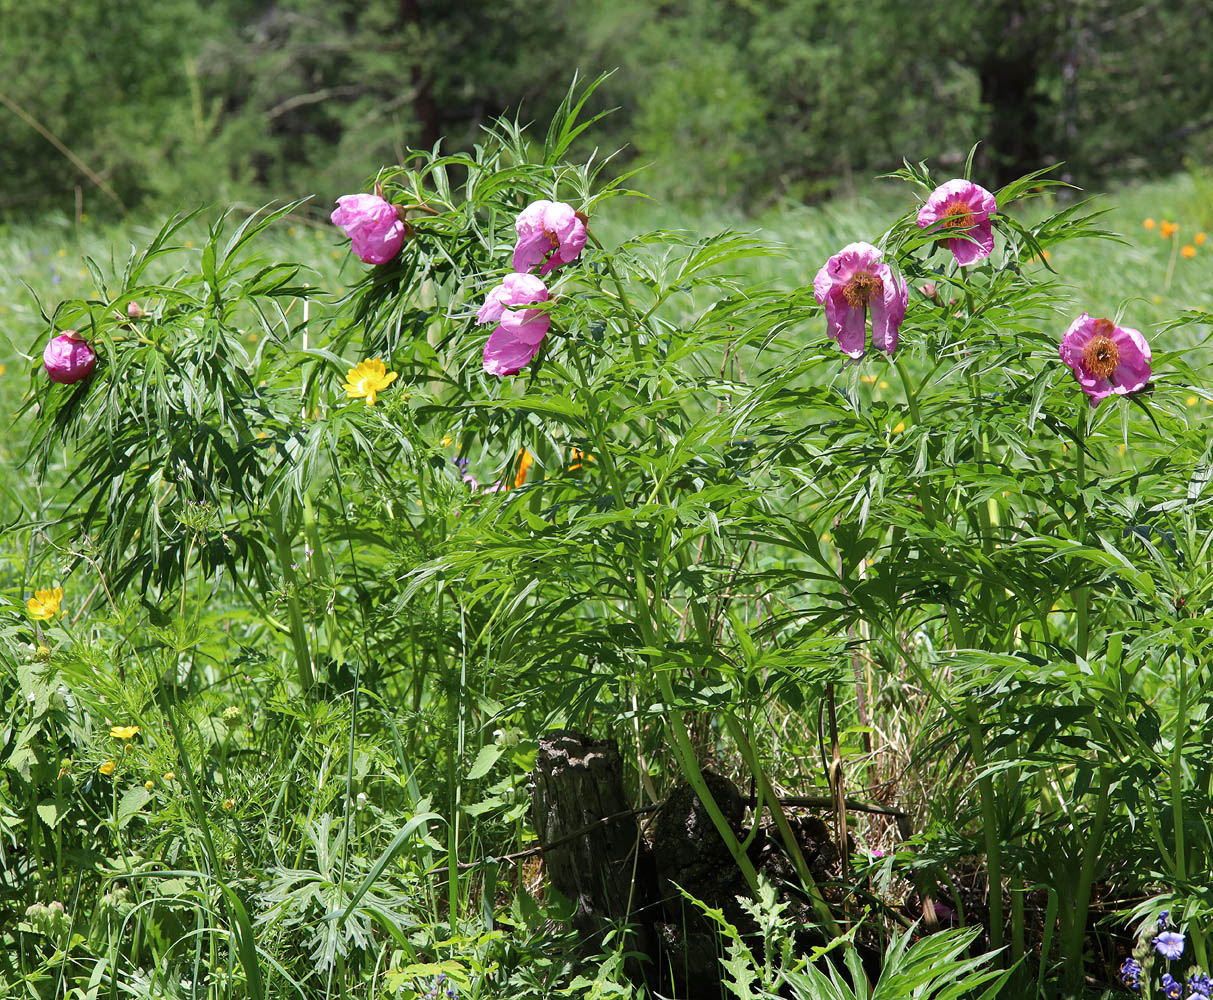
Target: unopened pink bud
{"points": [[135, 311], [68, 358]]}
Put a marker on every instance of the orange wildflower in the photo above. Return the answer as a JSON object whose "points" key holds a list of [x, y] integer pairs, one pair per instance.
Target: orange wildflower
{"points": [[1188, 250]]}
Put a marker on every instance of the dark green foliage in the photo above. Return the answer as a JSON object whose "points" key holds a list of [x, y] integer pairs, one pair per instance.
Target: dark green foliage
{"points": [[754, 101]]}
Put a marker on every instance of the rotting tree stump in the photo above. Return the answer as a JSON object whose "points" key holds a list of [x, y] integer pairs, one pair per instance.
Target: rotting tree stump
{"points": [[578, 789]]}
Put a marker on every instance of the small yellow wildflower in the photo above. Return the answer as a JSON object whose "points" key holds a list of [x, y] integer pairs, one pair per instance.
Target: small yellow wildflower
{"points": [[1148, 223], [168, 776], [149, 784], [229, 803], [1120, 449], [883, 384], [367, 379], [44, 605], [1167, 230], [901, 426], [1156, 299], [123, 732], [447, 440], [525, 461], [252, 338], [1, 369], [61, 253], [869, 379], [1188, 251], [108, 767], [1198, 239], [1191, 401]]}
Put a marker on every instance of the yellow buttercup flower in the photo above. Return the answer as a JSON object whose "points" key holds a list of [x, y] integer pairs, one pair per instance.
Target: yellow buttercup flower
{"points": [[367, 379], [1198, 239], [124, 732], [1188, 251], [168, 776], [149, 784], [1191, 401], [901, 426], [107, 767], [2, 366], [228, 803], [44, 605], [1148, 223]]}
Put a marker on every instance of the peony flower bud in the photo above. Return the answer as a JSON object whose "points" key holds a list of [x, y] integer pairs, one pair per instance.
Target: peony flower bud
{"points": [[373, 225], [68, 358]]}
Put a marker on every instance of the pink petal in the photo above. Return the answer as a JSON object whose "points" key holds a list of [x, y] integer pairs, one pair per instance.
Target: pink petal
{"points": [[1133, 372], [504, 355], [847, 326], [494, 306], [530, 219], [888, 311], [530, 251], [966, 251], [529, 326]]}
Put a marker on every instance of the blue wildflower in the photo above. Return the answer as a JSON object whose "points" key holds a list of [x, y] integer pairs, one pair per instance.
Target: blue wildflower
{"points": [[1199, 983], [1162, 920], [1171, 988], [1169, 944], [1130, 973]]}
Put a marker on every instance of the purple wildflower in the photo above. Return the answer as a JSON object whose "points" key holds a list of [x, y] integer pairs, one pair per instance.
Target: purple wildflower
{"points": [[1130, 973], [1169, 944]]}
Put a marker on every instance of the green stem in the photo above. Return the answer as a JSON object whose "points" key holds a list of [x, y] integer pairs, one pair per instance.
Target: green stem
{"points": [[1082, 595], [989, 822], [303, 656], [634, 332], [767, 796], [1177, 802], [925, 499], [1076, 931]]}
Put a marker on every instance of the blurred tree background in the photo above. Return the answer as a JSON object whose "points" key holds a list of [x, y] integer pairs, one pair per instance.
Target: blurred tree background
{"points": [[111, 104]]}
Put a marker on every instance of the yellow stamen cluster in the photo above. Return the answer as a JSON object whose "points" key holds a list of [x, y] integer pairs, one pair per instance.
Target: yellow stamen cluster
{"points": [[1101, 355], [861, 289], [957, 215]]}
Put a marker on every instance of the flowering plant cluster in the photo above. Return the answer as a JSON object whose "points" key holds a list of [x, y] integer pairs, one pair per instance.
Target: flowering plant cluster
{"points": [[550, 234], [1159, 941], [857, 285]]}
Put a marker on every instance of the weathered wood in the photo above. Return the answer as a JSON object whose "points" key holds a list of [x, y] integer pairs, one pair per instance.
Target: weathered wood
{"points": [[578, 783]]}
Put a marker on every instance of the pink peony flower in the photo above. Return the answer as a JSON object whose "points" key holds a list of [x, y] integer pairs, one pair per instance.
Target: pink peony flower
{"points": [[373, 225], [1105, 358], [960, 206], [520, 332], [549, 233], [68, 358], [853, 284]]}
